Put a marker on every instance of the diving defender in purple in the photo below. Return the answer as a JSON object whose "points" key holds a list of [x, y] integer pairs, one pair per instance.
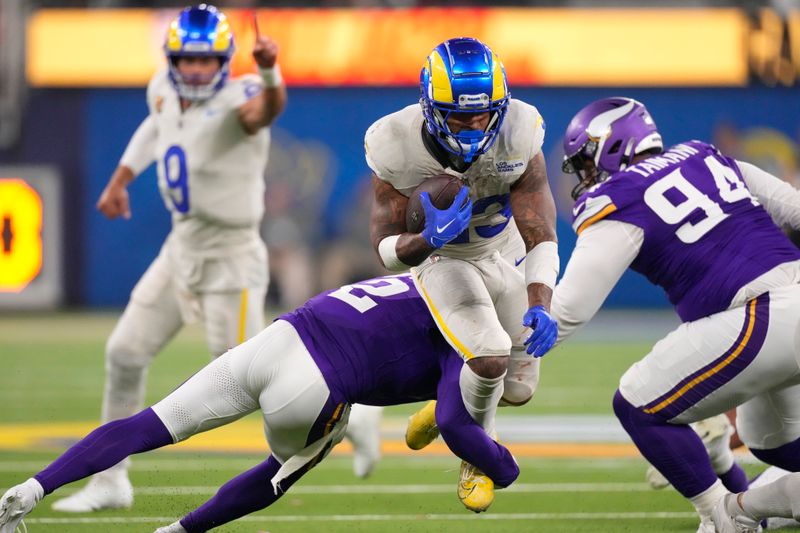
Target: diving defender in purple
{"points": [[704, 227], [372, 343]]}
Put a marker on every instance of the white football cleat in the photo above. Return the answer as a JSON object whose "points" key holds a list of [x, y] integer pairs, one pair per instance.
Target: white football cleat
{"points": [[174, 527], [768, 476], [706, 526], [105, 490], [364, 431], [728, 517], [17, 502]]}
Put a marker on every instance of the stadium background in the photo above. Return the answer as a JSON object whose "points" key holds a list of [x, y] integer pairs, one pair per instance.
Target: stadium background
{"points": [[72, 92]]}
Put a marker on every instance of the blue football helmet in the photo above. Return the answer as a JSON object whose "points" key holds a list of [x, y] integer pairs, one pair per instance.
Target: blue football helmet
{"points": [[199, 31], [463, 75]]}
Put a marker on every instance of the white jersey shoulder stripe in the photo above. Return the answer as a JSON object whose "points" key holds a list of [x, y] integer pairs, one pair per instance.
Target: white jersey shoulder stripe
{"points": [[590, 211]]}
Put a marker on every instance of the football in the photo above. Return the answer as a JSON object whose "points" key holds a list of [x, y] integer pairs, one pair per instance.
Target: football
{"points": [[442, 189]]}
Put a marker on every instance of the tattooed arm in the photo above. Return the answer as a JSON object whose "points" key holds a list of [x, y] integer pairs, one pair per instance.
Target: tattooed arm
{"points": [[388, 218], [535, 214]]}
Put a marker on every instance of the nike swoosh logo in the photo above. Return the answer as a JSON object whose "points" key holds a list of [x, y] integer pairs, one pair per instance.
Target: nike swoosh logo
{"points": [[439, 230], [519, 261]]}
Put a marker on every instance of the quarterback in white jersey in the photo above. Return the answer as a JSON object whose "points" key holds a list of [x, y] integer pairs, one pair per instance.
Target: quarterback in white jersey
{"points": [[208, 137], [465, 259]]}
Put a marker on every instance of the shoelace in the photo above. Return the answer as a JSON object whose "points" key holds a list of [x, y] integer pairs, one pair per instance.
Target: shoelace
{"points": [[21, 527]]}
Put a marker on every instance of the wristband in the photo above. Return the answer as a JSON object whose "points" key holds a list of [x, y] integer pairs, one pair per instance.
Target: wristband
{"points": [[272, 76], [542, 265], [387, 250]]}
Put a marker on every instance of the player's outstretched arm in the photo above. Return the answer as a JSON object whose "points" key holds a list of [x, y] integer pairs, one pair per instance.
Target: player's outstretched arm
{"points": [[535, 214], [397, 248], [263, 109]]}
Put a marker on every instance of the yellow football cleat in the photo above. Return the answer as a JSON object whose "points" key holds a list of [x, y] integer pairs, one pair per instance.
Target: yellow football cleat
{"points": [[422, 428], [475, 489]]}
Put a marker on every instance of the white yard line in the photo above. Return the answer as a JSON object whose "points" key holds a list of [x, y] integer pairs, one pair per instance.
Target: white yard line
{"points": [[379, 517], [432, 488]]}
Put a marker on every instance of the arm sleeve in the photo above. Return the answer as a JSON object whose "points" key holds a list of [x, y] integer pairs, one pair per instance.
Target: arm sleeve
{"points": [[603, 252], [780, 199], [141, 148], [463, 435]]}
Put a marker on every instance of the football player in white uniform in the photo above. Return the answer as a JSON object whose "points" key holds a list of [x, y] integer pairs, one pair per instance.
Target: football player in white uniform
{"points": [[465, 259], [209, 138]]}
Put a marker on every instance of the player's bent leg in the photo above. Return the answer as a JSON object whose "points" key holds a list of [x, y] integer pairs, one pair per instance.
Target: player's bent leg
{"points": [[676, 451], [715, 432], [769, 425], [364, 432], [301, 421]]}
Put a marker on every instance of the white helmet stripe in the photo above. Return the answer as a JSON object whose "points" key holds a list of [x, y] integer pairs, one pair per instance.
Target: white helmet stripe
{"points": [[600, 125]]}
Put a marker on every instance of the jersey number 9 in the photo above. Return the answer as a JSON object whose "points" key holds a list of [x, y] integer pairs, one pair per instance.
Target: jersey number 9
{"points": [[177, 177]]}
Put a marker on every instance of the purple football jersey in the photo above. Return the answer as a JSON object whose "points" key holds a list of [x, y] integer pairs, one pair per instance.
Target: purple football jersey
{"points": [[705, 235], [374, 341]]}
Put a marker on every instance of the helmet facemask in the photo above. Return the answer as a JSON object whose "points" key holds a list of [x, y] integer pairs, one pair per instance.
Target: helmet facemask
{"points": [[200, 31], [463, 76], [467, 144], [604, 137], [189, 88]]}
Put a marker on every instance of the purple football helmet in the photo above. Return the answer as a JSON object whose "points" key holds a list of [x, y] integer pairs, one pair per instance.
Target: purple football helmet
{"points": [[603, 138]]}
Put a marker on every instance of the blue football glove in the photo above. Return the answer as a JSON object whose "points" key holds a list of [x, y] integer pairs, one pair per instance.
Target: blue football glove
{"points": [[545, 330], [444, 225]]}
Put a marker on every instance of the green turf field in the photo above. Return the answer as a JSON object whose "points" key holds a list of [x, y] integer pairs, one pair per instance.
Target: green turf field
{"points": [[53, 371]]}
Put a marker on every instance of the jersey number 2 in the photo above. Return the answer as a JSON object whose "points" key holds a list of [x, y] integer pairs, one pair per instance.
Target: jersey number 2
{"points": [[177, 177], [731, 189], [382, 288]]}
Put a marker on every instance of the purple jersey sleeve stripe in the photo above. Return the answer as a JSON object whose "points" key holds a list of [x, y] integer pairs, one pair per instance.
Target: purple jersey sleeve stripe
{"points": [[607, 210], [723, 369]]}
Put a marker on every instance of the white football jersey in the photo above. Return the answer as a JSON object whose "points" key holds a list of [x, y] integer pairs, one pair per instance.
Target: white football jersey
{"points": [[396, 154], [210, 171]]}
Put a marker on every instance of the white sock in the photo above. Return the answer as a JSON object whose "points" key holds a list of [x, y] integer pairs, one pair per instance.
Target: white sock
{"points": [[706, 500], [36, 488], [480, 396], [779, 498]]}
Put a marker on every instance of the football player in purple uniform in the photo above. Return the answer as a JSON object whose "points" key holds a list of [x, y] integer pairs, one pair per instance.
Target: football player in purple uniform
{"points": [[373, 343], [703, 227]]}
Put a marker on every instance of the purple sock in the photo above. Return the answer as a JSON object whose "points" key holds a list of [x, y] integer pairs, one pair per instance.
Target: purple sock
{"points": [[735, 480], [465, 438], [104, 447], [242, 495], [786, 456], [675, 450]]}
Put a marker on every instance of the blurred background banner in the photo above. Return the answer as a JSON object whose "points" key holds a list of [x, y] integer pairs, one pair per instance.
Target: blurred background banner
{"points": [[725, 75], [385, 47]]}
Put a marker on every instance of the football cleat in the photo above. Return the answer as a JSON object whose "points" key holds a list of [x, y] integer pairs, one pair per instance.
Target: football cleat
{"points": [[475, 489], [729, 517], [105, 490], [422, 428], [16, 503]]}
